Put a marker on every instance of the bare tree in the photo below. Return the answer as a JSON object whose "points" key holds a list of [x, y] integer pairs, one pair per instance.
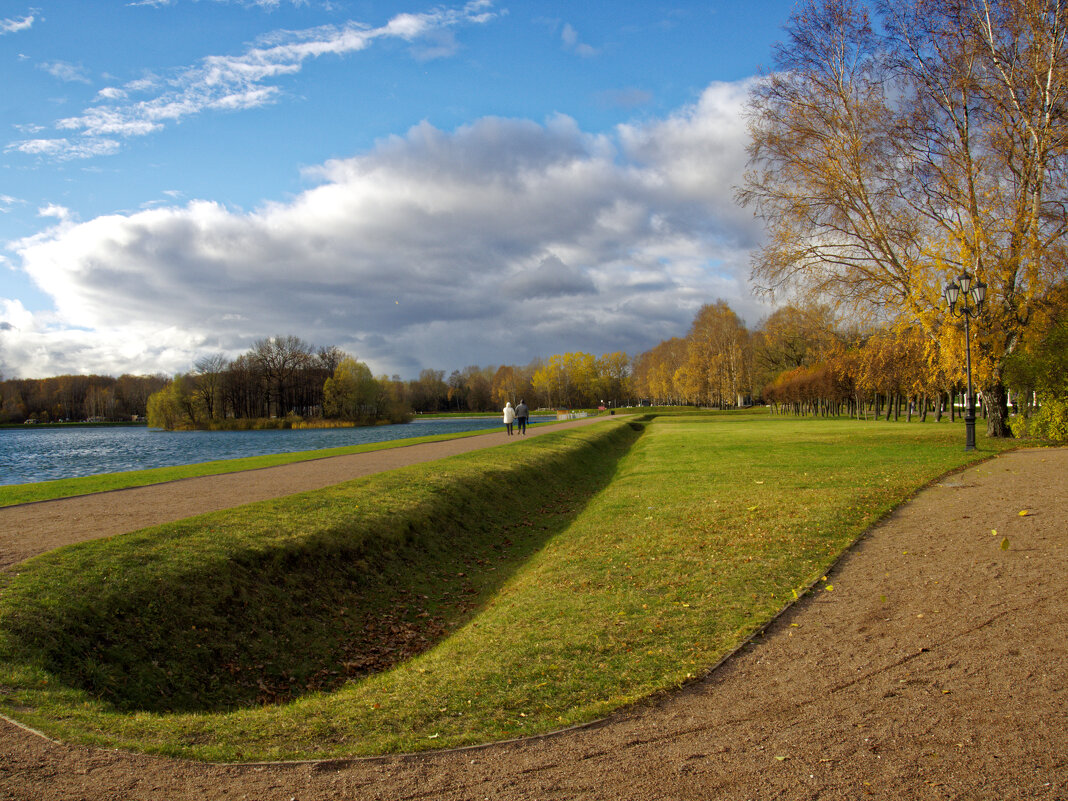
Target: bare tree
{"points": [[330, 357], [208, 372], [279, 359]]}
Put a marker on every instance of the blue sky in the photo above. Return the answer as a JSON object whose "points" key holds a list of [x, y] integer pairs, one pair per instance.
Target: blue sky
{"points": [[422, 185]]}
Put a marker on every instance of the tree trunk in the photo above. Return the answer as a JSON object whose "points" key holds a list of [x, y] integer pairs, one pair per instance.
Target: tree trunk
{"points": [[997, 412]]}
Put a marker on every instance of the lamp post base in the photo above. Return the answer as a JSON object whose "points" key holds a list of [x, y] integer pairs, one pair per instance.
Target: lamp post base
{"points": [[969, 432]]}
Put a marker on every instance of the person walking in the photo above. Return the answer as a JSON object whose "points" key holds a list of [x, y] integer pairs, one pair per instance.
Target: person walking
{"points": [[509, 416], [521, 415]]}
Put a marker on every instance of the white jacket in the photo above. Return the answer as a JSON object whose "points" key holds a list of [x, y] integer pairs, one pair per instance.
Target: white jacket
{"points": [[509, 413]]}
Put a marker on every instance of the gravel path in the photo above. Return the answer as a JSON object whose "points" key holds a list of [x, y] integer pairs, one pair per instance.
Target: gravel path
{"points": [[937, 668]]}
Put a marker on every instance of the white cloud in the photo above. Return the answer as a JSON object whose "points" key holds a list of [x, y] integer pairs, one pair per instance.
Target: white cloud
{"points": [[16, 25], [499, 242], [65, 71], [569, 36], [64, 149], [237, 82], [53, 347], [52, 210]]}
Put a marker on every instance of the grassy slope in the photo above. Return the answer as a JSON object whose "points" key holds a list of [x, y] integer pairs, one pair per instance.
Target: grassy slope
{"points": [[594, 595]]}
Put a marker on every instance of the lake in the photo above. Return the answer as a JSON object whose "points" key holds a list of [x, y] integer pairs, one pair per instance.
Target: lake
{"points": [[41, 454]]}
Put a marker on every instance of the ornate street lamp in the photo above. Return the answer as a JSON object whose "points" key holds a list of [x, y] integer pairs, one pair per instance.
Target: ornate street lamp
{"points": [[977, 294]]}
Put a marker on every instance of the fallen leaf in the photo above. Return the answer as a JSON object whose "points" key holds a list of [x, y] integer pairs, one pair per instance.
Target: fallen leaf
{"points": [[993, 532], [1025, 513], [782, 758], [1005, 544]]}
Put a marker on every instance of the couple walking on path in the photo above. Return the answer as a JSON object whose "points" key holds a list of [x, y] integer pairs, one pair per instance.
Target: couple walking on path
{"points": [[517, 415]]}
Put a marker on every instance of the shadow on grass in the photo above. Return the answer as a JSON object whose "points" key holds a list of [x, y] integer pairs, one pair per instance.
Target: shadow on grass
{"points": [[267, 619]]}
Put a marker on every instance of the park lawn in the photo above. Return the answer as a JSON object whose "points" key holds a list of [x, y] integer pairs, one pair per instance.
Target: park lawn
{"points": [[565, 577]]}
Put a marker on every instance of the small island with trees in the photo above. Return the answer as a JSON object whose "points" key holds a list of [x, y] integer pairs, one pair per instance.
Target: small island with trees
{"points": [[281, 382]]}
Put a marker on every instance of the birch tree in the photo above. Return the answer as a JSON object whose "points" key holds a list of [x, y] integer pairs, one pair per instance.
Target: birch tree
{"points": [[718, 369]]}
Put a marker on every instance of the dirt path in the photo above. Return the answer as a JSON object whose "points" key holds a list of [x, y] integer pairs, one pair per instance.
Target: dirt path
{"points": [[936, 668], [34, 528]]}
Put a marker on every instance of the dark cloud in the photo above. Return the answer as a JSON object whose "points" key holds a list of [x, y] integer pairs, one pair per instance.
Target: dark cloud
{"points": [[551, 278]]}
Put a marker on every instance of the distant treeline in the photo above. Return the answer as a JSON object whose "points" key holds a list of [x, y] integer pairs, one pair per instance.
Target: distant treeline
{"points": [[283, 381], [77, 398]]}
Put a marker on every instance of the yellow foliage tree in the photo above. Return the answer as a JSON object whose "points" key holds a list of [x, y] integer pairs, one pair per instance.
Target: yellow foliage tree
{"points": [[718, 365], [654, 371], [352, 392]]}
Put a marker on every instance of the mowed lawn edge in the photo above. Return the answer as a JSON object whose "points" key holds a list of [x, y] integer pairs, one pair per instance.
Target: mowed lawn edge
{"points": [[708, 527]]}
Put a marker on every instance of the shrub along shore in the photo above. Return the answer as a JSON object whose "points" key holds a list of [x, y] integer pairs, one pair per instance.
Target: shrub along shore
{"points": [[510, 591]]}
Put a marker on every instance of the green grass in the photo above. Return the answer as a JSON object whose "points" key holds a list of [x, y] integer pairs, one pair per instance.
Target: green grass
{"points": [[11, 495], [516, 590]]}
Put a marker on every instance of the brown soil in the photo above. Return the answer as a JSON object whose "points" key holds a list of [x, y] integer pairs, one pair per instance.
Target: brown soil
{"points": [[936, 667]]}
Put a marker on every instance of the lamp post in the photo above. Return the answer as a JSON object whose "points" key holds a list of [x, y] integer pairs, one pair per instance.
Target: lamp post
{"points": [[977, 294]]}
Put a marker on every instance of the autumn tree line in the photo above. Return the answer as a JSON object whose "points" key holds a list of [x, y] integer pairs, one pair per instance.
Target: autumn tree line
{"points": [[77, 398], [798, 360], [284, 381], [806, 361]]}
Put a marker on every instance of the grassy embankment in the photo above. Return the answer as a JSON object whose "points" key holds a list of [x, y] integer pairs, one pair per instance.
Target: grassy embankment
{"points": [[512, 591]]}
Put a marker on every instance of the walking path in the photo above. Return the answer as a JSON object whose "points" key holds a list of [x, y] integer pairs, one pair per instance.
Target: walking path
{"points": [[937, 668]]}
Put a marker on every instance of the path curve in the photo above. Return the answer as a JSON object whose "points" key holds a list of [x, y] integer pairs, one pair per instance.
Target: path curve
{"points": [[32, 528], [937, 667]]}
